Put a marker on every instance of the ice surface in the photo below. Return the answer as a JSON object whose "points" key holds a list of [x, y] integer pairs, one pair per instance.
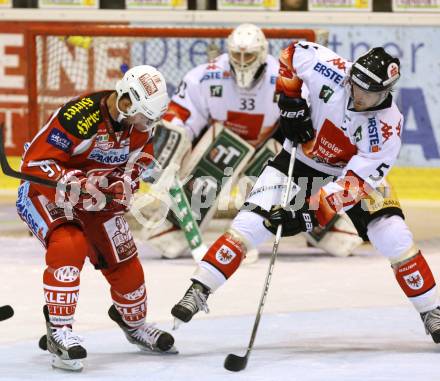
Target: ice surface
{"points": [[332, 319], [350, 344]]}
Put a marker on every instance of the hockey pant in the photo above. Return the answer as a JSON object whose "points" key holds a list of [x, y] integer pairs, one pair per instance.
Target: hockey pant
{"points": [[387, 232]]}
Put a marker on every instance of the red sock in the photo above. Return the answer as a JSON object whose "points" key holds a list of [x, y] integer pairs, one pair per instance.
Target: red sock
{"points": [[128, 291], [225, 254], [66, 251], [414, 276]]}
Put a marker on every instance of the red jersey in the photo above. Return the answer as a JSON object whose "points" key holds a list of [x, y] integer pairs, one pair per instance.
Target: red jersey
{"points": [[82, 135]]}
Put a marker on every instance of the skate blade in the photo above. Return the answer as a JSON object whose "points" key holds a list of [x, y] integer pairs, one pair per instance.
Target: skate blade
{"points": [[177, 323], [157, 352], [70, 365]]}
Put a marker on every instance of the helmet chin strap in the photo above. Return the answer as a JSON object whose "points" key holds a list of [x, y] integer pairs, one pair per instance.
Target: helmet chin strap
{"points": [[120, 117]]}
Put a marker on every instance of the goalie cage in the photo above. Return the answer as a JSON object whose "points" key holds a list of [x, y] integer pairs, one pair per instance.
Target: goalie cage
{"points": [[65, 61]]}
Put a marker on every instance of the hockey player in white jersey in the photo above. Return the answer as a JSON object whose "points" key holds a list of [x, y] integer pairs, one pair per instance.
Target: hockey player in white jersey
{"points": [[348, 140], [237, 90]]}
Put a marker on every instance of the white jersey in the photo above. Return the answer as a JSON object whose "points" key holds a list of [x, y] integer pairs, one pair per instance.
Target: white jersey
{"points": [[208, 93], [366, 143]]}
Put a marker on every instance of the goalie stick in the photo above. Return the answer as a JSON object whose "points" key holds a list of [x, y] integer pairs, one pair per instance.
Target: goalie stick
{"points": [[6, 312], [236, 363]]}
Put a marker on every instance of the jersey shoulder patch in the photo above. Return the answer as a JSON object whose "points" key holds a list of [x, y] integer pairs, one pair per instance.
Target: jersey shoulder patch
{"points": [[81, 116], [217, 69]]}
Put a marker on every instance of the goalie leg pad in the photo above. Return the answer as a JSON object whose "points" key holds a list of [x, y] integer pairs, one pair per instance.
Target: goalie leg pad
{"points": [[340, 238], [171, 144]]}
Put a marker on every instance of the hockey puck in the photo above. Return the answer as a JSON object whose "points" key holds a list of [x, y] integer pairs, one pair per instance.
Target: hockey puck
{"points": [[42, 343], [6, 312]]}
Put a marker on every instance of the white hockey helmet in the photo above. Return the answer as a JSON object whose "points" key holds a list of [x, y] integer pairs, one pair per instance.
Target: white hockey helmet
{"points": [[147, 90], [247, 49]]}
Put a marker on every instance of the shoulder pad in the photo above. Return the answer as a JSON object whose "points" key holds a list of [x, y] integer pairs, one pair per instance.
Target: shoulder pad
{"points": [[81, 116]]}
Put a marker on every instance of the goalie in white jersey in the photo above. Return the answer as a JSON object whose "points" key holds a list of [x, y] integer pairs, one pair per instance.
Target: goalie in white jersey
{"points": [[237, 91], [348, 139]]}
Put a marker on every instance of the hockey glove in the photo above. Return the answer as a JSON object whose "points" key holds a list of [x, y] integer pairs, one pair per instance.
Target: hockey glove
{"points": [[295, 122], [71, 188], [94, 195], [119, 193], [294, 222]]}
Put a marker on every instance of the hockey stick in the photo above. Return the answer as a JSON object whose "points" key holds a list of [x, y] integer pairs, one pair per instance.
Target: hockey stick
{"points": [[236, 363], [8, 171], [6, 312]]}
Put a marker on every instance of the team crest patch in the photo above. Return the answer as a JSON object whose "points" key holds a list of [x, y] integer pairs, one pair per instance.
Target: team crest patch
{"points": [[325, 93], [149, 83], [414, 280], [392, 70], [59, 140], [224, 255], [216, 91]]}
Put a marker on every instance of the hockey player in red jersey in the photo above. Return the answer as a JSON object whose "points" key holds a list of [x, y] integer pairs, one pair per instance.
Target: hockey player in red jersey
{"points": [[348, 140], [95, 145]]}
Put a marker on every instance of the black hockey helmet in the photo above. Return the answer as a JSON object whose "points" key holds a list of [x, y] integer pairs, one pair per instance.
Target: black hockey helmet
{"points": [[376, 70]]}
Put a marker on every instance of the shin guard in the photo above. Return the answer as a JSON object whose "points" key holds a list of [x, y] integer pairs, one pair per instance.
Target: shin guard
{"points": [[221, 260], [417, 282], [66, 251], [128, 291]]}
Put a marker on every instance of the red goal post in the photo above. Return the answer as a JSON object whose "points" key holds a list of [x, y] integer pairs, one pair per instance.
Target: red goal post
{"points": [[64, 61]]}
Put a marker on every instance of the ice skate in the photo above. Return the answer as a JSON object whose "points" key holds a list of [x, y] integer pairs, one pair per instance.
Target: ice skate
{"points": [[431, 319], [194, 300], [64, 346], [147, 337]]}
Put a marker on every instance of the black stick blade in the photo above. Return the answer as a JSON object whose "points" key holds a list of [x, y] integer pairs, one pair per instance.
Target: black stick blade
{"points": [[235, 363], [6, 312]]}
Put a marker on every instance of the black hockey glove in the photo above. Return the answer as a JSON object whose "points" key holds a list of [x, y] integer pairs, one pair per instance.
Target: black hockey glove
{"points": [[294, 222], [295, 122]]}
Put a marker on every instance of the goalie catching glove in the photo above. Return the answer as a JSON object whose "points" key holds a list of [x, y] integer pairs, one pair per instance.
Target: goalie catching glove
{"points": [[295, 122], [293, 221]]}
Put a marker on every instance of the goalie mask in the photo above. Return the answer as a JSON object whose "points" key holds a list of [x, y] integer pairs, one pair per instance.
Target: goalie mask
{"points": [[147, 90], [372, 76], [247, 50]]}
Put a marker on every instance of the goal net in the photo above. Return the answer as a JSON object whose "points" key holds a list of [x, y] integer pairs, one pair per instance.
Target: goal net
{"points": [[66, 61]]}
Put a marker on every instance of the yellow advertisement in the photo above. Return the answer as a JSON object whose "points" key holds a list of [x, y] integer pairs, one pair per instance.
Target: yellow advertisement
{"points": [[254, 5], [75, 4], [156, 4], [416, 5], [5, 3], [340, 5]]}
